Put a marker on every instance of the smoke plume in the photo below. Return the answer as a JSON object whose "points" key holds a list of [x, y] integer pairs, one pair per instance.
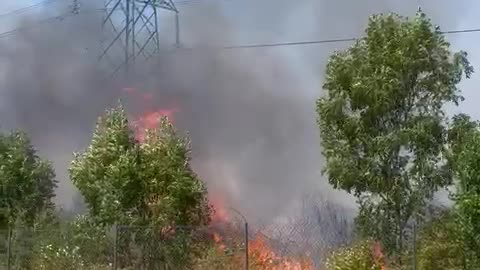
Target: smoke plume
{"points": [[249, 112]]}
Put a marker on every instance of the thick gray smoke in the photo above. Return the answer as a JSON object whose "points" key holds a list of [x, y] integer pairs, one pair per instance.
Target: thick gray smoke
{"points": [[249, 112]]}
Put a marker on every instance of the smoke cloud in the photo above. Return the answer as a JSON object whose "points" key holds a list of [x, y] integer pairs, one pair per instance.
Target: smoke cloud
{"points": [[249, 112]]}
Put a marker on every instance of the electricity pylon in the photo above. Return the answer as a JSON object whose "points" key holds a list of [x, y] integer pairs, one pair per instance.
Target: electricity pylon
{"points": [[131, 27]]}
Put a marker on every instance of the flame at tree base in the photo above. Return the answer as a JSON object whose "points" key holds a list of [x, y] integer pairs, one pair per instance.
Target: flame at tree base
{"points": [[260, 253], [378, 256], [265, 258], [222, 256]]}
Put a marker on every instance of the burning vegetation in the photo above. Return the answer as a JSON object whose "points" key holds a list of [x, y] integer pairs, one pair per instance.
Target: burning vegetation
{"points": [[261, 251], [225, 235], [228, 238], [145, 180]]}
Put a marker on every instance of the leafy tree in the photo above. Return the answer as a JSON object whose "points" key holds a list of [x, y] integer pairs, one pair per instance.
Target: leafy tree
{"points": [[465, 159], [148, 184], [358, 256], [106, 173], [174, 193], [382, 121], [127, 181], [440, 245], [27, 182]]}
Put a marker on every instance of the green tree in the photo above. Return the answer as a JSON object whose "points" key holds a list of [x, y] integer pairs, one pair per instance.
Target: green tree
{"points": [[146, 184], [465, 159], [106, 173], [124, 180], [382, 121], [359, 256], [440, 244], [27, 182], [174, 193]]}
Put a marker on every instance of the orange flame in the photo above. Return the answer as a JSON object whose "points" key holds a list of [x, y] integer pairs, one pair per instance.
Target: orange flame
{"points": [[220, 214], [378, 255], [264, 257], [148, 119]]}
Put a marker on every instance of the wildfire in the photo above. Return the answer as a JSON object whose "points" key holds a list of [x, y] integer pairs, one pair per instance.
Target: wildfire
{"points": [[260, 251], [263, 257], [220, 214], [378, 255], [266, 258], [148, 119]]}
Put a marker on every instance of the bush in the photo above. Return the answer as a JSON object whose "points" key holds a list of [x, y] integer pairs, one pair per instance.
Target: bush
{"points": [[217, 259], [357, 257], [441, 245], [78, 245]]}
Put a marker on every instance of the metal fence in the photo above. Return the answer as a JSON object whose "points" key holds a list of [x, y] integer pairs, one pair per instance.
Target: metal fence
{"points": [[217, 247]]}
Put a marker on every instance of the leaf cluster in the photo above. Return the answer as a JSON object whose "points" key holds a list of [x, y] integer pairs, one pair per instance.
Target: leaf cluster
{"points": [[382, 118], [358, 256], [441, 245], [465, 160], [126, 181], [382, 121], [27, 182]]}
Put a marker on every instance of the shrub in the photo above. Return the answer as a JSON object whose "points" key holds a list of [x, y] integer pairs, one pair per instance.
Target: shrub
{"points": [[360, 256]]}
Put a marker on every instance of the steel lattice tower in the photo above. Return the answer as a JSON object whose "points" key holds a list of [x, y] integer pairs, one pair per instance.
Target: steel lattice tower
{"points": [[131, 29]]}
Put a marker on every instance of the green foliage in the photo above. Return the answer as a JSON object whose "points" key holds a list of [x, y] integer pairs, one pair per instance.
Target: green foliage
{"points": [[358, 256], [215, 259], [382, 121], [106, 174], [128, 182], [465, 159], [441, 245], [53, 245], [147, 185], [27, 182], [174, 193]]}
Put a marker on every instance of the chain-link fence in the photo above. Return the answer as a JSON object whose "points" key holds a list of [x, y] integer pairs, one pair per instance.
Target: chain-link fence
{"points": [[4, 249], [58, 248], [217, 247], [198, 248]]}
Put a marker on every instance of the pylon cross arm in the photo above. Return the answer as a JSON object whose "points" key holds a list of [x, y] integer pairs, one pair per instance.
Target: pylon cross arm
{"points": [[165, 4]]}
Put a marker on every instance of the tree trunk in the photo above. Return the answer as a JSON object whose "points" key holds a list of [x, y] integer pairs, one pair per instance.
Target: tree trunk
{"points": [[399, 247]]}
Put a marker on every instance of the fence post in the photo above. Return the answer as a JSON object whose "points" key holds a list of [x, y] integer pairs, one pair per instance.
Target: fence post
{"points": [[246, 235], [115, 246], [246, 246], [415, 245], [9, 248]]}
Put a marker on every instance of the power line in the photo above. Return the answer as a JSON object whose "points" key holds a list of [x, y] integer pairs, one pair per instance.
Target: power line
{"points": [[294, 43], [340, 40], [60, 17], [229, 47], [16, 30], [45, 2], [461, 31], [311, 42], [24, 9]]}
